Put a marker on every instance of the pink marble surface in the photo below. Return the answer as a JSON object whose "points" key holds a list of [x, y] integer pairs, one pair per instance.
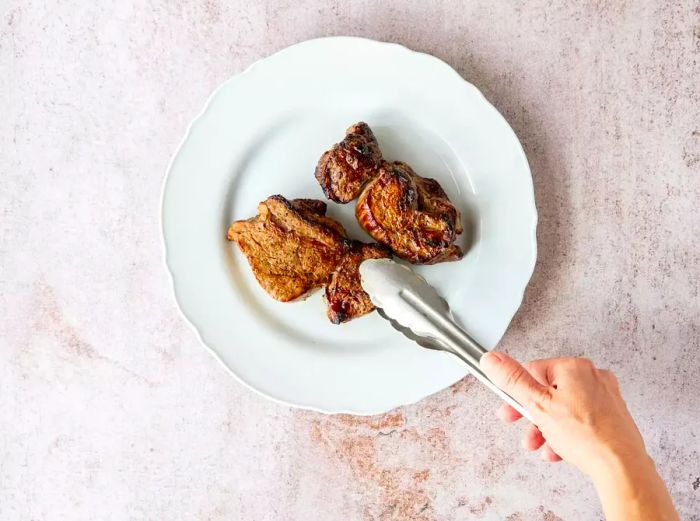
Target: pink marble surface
{"points": [[110, 409]]}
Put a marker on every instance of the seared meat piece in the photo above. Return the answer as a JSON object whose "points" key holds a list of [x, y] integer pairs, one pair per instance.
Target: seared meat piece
{"points": [[344, 294], [410, 214], [343, 170], [292, 247]]}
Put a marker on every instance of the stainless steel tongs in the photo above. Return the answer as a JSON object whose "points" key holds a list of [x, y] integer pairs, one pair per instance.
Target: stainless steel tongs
{"points": [[415, 308]]}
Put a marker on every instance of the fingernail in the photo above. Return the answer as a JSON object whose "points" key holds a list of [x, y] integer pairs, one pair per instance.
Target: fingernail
{"points": [[496, 357]]}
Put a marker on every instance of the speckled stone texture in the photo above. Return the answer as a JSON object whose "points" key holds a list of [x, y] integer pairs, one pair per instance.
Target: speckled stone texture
{"points": [[109, 407]]}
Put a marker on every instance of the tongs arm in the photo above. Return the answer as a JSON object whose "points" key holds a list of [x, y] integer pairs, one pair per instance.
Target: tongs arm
{"points": [[458, 342]]}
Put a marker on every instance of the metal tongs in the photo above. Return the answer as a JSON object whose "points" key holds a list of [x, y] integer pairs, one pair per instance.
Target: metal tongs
{"points": [[415, 308]]}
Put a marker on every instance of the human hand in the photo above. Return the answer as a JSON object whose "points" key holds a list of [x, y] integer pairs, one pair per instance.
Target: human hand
{"points": [[579, 412], [580, 417]]}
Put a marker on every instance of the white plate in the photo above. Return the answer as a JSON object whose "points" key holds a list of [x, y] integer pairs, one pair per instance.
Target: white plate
{"points": [[261, 133]]}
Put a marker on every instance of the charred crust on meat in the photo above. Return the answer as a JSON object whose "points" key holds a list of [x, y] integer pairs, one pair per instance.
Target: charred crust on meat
{"points": [[397, 207], [410, 214], [344, 294], [343, 170]]}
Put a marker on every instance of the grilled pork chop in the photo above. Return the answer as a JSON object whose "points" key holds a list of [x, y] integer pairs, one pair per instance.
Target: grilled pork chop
{"points": [[410, 214], [397, 207], [343, 170], [294, 248], [344, 294]]}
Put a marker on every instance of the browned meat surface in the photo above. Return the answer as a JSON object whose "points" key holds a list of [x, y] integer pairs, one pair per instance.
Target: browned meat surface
{"points": [[294, 248], [291, 247], [410, 214], [343, 170], [315, 211], [344, 294]]}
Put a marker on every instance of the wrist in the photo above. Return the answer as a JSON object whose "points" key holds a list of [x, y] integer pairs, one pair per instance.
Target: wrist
{"points": [[630, 487], [620, 462]]}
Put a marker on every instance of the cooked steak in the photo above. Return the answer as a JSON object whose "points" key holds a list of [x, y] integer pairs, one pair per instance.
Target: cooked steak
{"points": [[344, 294], [343, 170], [292, 247], [410, 214]]}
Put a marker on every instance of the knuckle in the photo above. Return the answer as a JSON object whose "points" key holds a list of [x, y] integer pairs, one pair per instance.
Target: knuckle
{"points": [[609, 376], [514, 378], [568, 363], [541, 400], [585, 363]]}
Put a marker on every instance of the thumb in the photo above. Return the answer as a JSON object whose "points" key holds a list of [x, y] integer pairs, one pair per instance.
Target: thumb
{"points": [[512, 377]]}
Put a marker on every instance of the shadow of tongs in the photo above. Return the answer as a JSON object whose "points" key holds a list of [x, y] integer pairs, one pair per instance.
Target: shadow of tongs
{"points": [[415, 308]]}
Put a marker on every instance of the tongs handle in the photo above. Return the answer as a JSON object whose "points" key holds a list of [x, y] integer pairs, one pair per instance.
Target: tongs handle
{"points": [[458, 342], [467, 349]]}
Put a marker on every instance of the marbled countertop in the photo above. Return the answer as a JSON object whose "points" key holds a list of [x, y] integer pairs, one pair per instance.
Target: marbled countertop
{"points": [[109, 407]]}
